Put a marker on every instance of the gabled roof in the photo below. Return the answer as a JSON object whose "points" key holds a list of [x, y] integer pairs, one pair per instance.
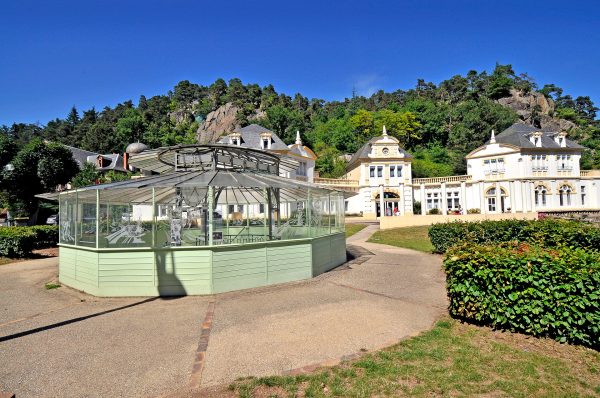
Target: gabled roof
{"points": [[518, 135], [365, 150], [301, 150], [80, 155], [251, 138]]}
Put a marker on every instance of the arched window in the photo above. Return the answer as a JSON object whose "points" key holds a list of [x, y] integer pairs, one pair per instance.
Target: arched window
{"points": [[540, 195], [565, 195], [491, 200]]}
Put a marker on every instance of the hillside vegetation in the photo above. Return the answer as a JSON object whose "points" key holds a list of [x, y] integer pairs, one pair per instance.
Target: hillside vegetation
{"points": [[439, 123]]}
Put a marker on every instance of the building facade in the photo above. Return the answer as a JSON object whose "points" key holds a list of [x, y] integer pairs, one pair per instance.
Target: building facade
{"points": [[257, 137], [523, 169], [260, 138]]}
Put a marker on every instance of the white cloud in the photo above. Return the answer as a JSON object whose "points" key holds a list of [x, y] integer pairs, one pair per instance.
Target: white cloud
{"points": [[367, 84]]}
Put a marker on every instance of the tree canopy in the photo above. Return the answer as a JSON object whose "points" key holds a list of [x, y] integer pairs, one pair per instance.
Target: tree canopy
{"points": [[457, 115], [36, 168]]}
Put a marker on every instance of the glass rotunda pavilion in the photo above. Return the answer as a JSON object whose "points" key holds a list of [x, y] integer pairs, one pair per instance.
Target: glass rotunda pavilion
{"points": [[212, 218]]}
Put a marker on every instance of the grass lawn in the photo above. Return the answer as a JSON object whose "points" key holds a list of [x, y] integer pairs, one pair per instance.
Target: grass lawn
{"points": [[452, 359], [415, 238], [351, 229]]}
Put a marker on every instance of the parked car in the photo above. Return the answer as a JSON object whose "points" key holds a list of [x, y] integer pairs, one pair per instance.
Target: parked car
{"points": [[52, 220]]}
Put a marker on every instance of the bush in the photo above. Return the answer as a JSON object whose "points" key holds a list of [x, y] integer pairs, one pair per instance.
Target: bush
{"points": [[20, 241], [434, 211], [546, 232], [416, 207], [16, 241], [540, 291], [46, 236], [473, 211]]}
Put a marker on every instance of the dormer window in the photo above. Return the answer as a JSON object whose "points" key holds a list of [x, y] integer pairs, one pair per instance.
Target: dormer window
{"points": [[561, 140], [536, 139], [235, 139], [265, 140]]}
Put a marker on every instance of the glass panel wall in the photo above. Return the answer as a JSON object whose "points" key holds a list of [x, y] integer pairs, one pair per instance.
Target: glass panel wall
{"points": [[86, 219], [66, 217], [170, 217], [122, 223]]}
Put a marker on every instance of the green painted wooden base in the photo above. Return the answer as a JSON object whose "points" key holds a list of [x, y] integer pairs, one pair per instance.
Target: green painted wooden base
{"points": [[197, 270]]}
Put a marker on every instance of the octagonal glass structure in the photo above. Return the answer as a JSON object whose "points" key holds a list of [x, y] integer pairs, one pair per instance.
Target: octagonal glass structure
{"points": [[212, 218]]}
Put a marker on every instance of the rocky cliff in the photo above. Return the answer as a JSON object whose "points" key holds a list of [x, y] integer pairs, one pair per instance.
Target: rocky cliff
{"points": [[222, 121], [535, 106], [217, 123]]}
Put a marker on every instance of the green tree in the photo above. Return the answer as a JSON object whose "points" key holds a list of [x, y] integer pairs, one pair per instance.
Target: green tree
{"points": [[37, 168], [402, 125], [217, 93], [88, 175], [363, 123], [501, 81], [8, 149], [585, 108], [236, 92], [130, 128]]}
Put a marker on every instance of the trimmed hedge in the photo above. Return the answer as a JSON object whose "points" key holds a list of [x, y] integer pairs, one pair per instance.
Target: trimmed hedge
{"points": [[20, 241], [547, 233], [16, 241], [46, 236], [525, 288]]}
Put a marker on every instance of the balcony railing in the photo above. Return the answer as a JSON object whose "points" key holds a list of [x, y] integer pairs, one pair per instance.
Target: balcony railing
{"points": [[439, 180], [589, 173], [339, 182]]}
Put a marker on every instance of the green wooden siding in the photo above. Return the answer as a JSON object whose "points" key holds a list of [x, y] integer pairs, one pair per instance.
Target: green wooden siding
{"points": [[288, 263], [328, 252], [238, 268], [199, 270], [183, 272]]}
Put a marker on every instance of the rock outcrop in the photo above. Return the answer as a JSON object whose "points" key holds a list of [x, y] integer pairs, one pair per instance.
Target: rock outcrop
{"points": [[222, 121], [181, 116], [535, 106], [217, 123]]}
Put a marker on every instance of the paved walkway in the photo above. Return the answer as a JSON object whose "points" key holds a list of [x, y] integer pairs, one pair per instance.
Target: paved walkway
{"points": [[63, 343]]}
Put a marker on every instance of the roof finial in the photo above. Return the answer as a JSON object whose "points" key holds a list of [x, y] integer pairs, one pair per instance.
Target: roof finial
{"points": [[298, 139], [384, 131], [493, 137]]}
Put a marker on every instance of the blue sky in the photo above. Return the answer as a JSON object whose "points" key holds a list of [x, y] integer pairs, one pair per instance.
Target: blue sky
{"points": [[56, 54]]}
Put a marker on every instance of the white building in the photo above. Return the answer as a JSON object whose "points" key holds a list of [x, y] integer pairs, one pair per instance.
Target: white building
{"points": [[258, 137], [522, 169]]}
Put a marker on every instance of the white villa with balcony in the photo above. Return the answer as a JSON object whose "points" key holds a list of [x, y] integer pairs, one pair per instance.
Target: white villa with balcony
{"points": [[521, 170]]}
